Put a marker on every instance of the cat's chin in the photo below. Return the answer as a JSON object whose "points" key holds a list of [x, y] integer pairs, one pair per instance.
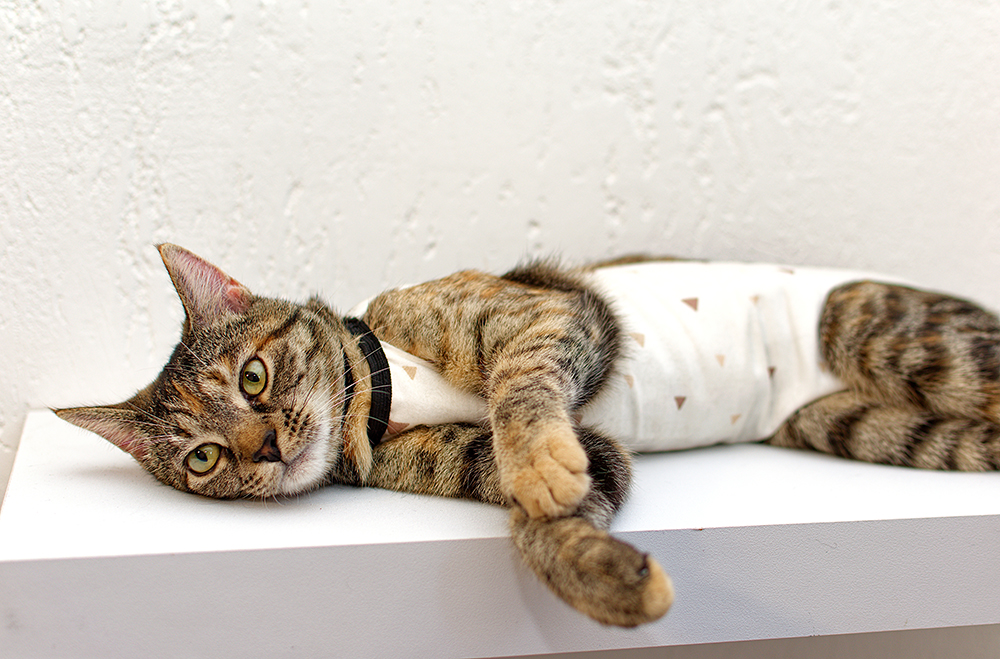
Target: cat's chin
{"points": [[308, 470]]}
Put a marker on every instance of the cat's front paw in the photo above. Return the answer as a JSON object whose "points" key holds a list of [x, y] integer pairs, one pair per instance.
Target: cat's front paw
{"points": [[549, 478], [605, 578]]}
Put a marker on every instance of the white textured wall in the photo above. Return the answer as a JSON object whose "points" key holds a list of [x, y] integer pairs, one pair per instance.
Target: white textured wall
{"points": [[342, 147]]}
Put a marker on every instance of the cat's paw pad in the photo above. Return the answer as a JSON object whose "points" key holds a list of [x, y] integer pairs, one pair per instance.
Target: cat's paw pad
{"points": [[553, 478]]}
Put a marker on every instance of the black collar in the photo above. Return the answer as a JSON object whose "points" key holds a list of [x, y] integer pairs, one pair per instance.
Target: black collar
{"points": [[378, 366]]}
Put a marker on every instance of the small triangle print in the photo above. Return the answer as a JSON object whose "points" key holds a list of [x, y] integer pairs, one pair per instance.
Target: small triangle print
{"points": [[639, 338], [721, 359], [630, 380], [411, 371], [680, 401], [770, 371], [691, 302], [755, 299], [734, 418]]}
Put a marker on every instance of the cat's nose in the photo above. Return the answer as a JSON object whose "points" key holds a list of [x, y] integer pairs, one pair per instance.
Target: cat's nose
{"points": [[268, 451]]}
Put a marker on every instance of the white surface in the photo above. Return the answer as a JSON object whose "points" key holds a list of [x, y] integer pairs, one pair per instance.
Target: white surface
{"points": [[761, 543], [96, 501]]}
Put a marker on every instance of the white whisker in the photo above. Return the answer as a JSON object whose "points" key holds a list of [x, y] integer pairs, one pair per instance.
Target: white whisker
{"points": [[194, 354]]}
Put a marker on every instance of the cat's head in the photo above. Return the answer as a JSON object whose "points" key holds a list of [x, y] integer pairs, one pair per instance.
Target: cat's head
{"points": [[252, 400]]}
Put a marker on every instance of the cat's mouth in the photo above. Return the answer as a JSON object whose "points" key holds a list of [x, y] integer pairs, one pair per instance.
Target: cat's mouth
{"points": [[307, 468]]}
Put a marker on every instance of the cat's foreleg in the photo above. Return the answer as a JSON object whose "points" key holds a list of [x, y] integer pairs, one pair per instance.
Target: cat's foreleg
{"points": [[574, 556], [537, 344], [851, 425], [458, 460], [598, 575], [540, 461], [605, 578], [448, 460]]}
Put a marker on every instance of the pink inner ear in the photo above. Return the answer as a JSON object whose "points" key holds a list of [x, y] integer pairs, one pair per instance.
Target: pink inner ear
{"points": [[206, 290], [237, 297], [125, 439], [106, 423]]}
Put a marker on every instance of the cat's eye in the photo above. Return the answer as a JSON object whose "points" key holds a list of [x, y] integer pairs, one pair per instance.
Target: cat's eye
{"points": [[204, 458], [254, 377]]}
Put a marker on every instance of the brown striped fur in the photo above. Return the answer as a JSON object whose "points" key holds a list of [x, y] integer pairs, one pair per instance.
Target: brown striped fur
{"points": [[923, 371], [536, 344]]}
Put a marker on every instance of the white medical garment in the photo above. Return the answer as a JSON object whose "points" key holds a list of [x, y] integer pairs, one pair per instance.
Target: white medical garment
{"points": [[715, 353]]}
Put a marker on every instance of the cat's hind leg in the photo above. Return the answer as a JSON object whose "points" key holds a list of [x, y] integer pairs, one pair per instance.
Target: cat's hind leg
{"points": [[923, 372], [912, 348], [852, 426]]}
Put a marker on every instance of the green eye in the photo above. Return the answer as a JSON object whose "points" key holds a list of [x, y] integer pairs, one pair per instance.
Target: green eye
{"points": [[254, 377], [202, 460]]}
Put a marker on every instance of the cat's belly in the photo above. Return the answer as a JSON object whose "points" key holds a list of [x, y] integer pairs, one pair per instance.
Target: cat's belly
{"points": [[716, 352]]}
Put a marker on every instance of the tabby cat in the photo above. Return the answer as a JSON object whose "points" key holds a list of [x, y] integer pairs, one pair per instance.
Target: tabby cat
{"points": [[264, 397]]}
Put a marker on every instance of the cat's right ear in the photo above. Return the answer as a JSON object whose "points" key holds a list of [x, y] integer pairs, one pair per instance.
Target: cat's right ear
{"points": [[118, 425], [206, 292]]}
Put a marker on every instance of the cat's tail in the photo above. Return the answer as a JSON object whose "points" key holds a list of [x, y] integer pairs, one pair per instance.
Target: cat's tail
{"points": [[600, 576]]}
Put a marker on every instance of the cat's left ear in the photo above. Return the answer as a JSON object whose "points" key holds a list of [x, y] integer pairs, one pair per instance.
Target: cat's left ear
{"points": [[116, 423], [206, 292]]}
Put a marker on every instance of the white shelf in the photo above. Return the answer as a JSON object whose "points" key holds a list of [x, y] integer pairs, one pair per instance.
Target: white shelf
{"points": [[97, 559]]}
